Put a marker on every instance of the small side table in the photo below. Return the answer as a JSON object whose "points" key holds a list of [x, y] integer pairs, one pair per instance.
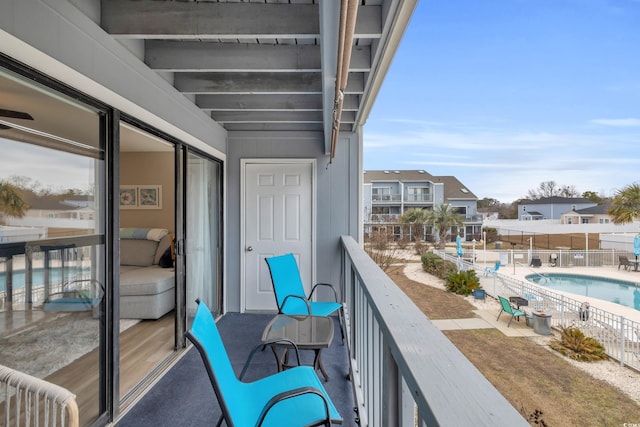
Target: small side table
{"points": [[307, 332]]}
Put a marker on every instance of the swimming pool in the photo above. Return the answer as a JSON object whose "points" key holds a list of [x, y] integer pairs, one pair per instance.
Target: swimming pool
{"points": [[613, 290], [55, 276]]}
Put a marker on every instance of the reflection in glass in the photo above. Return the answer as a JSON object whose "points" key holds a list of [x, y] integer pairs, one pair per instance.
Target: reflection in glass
{"points": [[52, 257]]}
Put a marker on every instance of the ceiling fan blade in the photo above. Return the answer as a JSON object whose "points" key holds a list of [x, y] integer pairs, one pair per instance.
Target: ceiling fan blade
{"points": [[15, 114]]}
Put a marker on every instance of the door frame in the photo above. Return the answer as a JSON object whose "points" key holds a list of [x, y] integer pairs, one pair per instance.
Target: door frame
{"points": [[243, 194]]}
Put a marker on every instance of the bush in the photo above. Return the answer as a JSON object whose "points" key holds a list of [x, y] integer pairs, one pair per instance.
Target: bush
{"points": [[421, 248], [575, 345], [462, 282], [433, 264]]}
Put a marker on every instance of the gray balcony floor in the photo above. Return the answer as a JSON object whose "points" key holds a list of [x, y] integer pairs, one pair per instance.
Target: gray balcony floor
{"points": [[185, 397]]}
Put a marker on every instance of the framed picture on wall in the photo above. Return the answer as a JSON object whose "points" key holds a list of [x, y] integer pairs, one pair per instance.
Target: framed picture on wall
{"points": [[128, 197], [149, 196]]}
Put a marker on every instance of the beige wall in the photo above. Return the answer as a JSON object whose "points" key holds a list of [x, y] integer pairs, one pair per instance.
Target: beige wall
{"points": [[149, 169]]}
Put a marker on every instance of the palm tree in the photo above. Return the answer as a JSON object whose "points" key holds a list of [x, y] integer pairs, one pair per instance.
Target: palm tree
{"points": [[443, 217], [418, 217], [11, 202], [625, 205]]}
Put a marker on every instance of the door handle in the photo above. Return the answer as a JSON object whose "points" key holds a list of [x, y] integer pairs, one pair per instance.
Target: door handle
{"points": [[249, 248]]}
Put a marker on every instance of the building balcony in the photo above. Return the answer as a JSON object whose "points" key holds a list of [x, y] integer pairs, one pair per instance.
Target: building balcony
{"points": [[385, 218], [402, 370], [386, 198], [418, 198]]}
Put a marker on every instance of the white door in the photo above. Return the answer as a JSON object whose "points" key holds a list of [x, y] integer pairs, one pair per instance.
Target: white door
{"points": [[278, 219]]}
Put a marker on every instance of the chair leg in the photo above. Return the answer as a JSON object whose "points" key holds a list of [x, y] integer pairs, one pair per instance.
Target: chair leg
{"points": [[498, 318], [509, 324], [342, 322]]}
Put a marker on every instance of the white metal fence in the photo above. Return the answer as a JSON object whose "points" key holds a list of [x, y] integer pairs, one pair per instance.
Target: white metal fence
{"points": [[619, 336]]}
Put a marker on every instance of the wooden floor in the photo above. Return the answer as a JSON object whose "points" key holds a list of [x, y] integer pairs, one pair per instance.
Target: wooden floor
{"points": [[142, 348]]}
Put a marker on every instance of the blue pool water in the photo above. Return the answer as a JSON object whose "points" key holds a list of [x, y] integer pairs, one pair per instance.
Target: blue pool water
{"points": [[613, 290], [55, 276]]}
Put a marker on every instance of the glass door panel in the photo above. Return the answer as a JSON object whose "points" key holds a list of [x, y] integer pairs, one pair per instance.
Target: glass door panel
{"points": [[52, 239], [203, 239]]}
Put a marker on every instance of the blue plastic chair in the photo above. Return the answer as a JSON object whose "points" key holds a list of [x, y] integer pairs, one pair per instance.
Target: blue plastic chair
{"points": [[492, 270], [289, 291], [294, 397]]}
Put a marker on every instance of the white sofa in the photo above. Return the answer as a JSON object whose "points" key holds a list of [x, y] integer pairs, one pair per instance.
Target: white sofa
{"points": [[147, 291]]}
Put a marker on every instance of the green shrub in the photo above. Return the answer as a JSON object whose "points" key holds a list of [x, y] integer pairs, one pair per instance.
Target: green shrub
{"points": [[433, 264], [575, 345], [462, 282]]}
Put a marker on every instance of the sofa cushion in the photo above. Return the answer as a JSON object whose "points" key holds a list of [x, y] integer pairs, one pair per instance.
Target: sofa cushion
{"points": [[137, 252], [145, 281]]}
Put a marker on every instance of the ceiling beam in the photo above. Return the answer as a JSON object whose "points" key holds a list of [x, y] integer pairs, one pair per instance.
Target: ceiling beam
{"points": [[169, 55], [202, 20], [248, 83], [257, 102], [267, 116]]}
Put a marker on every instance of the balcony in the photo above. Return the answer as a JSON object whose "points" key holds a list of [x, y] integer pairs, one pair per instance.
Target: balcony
{"points": [[386, 198], [404, 371], [385, 218], [418, 198]]}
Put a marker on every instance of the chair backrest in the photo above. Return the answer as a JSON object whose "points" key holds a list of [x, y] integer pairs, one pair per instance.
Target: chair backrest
{"points": [[506, 306], [285, 278], [206, 338], [623, 259], [497, 266]]}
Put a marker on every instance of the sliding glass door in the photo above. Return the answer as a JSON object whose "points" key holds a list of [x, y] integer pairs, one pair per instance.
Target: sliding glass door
{"points": [[53, 247], [203, 247]]}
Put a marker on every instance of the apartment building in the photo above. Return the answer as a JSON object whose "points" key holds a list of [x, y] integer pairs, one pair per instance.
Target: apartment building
{"points": [[390, 193]]}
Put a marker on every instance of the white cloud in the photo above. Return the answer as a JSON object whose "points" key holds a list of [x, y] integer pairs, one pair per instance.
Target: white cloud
{"points": [[628, 122], [505, 165]]}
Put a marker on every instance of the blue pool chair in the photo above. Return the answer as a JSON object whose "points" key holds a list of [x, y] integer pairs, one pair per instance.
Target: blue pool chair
{"points": [[289, 291], [292, 397], [492, 270]]}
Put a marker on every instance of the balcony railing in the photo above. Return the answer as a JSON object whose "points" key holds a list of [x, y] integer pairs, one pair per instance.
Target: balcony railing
{"points": [[405, 371], [386, 198], [42, 267], [419, 198]]}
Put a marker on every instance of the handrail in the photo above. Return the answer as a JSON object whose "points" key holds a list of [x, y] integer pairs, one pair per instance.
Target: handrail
{"points": [[31, 247], [402, 361], [27, 400]]}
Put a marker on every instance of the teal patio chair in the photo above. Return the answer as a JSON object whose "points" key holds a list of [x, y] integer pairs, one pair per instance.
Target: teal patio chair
{"points": [[507, 308], [294, 397], [289, 291], [492, 270]]}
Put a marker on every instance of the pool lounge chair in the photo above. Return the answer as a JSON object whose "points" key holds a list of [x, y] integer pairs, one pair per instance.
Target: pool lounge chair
{"points": [[492, 270]]}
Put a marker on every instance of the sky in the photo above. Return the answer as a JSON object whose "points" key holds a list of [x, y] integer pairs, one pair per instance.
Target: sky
{"points": [[507, 94]]}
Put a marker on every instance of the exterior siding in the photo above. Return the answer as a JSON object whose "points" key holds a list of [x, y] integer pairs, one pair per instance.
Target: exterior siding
{"points": [[337, 205]]}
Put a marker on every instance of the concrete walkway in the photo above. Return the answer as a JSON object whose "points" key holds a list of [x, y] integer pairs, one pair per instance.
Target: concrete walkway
{"points": [[486, 311]]}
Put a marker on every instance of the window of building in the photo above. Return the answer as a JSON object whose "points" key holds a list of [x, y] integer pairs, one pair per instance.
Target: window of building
{"points": [[603, 221], [381, 193], [418, 194], [585, 220]]}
